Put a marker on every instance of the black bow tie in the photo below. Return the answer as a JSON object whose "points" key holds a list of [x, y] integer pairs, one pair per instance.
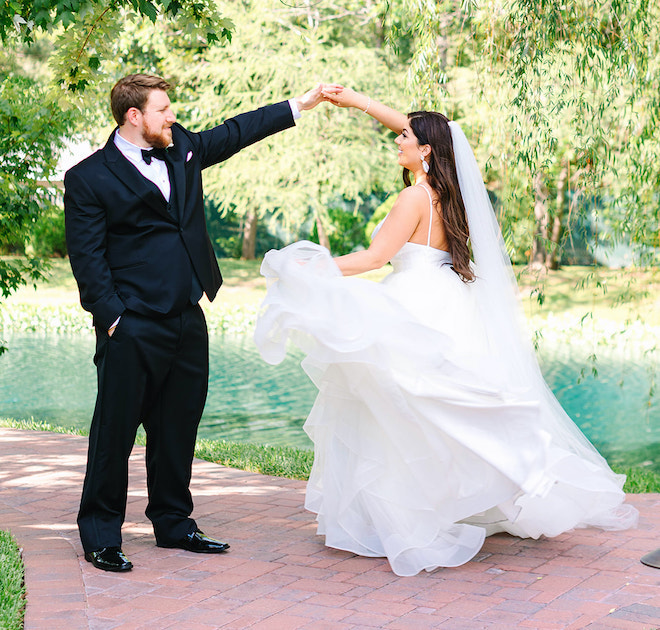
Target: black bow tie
{"points": [[149, 154]]}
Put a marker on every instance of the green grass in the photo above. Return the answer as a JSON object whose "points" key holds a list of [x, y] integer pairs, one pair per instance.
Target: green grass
{"points": [[242, 285], [12, 586], [280, 461], [639, 481], [572, 292], [621, 295], [36, 425]]}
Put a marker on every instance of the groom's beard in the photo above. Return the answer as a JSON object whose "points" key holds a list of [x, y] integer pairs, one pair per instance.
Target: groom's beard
{"points": [[160, 139]]}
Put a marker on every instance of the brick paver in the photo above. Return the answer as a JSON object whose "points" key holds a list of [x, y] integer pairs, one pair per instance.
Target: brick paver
{"points": [[279, 575]]}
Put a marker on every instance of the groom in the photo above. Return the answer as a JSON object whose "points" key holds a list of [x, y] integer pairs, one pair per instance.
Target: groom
{"points": [[142, 258]]}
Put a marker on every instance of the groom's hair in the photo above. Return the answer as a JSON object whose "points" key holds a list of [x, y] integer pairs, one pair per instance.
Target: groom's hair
{"points": [[133, 91]]}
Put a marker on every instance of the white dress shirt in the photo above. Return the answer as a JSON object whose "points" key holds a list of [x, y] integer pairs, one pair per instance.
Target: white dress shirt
{"points": [[155, 172]]}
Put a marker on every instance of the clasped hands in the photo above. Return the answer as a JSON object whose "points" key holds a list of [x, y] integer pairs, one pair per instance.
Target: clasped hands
{"points": [[330, 92]]}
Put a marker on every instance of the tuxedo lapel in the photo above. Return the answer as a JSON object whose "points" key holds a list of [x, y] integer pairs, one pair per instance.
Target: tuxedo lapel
{"points": [[134, 180], [179, 176]]}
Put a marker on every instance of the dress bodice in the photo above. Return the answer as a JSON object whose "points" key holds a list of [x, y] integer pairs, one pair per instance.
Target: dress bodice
{"points": [[416, 255]]}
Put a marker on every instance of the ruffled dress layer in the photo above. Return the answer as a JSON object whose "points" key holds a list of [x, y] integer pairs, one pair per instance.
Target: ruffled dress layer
{"points": [[422, 448]]}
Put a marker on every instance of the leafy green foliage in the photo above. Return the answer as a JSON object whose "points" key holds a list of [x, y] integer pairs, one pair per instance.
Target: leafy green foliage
{"points": [[31, 134], [561, 102], [47, 238], [348, 230], [432, 33], [78, 61], [583, 91], [24, 17], [86, 32]]}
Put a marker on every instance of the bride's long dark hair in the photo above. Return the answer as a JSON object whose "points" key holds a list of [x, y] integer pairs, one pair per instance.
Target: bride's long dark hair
{"points": [[432, 128]]}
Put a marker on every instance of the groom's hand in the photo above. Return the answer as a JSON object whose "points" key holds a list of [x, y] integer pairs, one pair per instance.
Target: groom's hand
{"points": [[346, 97], [315, 96]]}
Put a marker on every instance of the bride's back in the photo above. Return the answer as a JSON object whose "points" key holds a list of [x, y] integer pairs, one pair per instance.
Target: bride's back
{"points": [[430, 229]]}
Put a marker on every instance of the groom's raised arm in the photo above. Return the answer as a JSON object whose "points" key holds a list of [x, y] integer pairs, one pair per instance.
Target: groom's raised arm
{"points": [[221, 142]]}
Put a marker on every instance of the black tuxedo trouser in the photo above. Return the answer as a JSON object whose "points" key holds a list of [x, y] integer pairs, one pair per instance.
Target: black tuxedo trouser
{"points": [[154, 372]]}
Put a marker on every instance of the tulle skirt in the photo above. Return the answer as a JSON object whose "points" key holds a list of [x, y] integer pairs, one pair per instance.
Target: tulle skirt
{"points": [[420, 449]]}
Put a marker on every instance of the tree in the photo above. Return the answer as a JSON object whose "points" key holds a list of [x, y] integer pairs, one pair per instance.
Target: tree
{"points": [[29, 143], [584, 94], [572, 89], [30, 138]]}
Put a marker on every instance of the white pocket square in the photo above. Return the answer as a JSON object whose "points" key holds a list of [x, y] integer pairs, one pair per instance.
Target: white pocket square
{"points": [[189, 156]]}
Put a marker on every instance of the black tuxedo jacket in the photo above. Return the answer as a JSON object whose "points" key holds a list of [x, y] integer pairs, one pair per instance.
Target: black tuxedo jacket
{"points": [[126, 250]]}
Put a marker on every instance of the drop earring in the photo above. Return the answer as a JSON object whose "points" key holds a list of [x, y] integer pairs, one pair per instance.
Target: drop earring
{"points": [[425, 164]]}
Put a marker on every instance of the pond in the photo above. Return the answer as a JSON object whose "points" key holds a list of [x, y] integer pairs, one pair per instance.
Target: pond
{"points": [[51, 378]]}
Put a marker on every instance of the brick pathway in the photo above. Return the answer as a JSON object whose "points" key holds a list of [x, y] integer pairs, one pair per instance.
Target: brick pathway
{"points": [[278, 575]]}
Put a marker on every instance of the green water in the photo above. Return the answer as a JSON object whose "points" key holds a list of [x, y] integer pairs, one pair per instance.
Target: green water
{"points": [[52, 378]]}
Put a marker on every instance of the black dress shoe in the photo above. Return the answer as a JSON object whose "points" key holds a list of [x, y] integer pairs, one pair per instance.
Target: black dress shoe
{"points": [[198, 542], [109, 559]]}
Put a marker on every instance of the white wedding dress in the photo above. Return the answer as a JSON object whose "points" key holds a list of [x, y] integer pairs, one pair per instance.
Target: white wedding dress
{"points": [[425, 440]]}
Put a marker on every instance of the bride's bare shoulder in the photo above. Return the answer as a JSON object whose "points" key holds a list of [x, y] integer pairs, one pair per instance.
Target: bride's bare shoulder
{"points": [[412, 202], [413, 196]]}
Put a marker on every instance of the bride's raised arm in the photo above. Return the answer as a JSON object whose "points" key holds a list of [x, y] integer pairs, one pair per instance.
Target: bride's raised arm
{"points": [[347, 97]]}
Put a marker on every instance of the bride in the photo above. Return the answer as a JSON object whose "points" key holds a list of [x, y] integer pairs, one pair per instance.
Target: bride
{"points": [[433, 427]]}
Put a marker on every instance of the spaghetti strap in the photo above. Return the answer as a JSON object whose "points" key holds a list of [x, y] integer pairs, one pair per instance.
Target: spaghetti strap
{"points": [[428, 240]]}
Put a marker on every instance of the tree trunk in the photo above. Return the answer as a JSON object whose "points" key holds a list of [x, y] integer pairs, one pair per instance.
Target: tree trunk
{"points": [[552, 260], [539, 253], [323, 236], [249, 245]]}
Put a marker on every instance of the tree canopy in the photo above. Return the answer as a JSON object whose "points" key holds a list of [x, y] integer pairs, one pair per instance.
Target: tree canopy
{"points": [[561, 102]]}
